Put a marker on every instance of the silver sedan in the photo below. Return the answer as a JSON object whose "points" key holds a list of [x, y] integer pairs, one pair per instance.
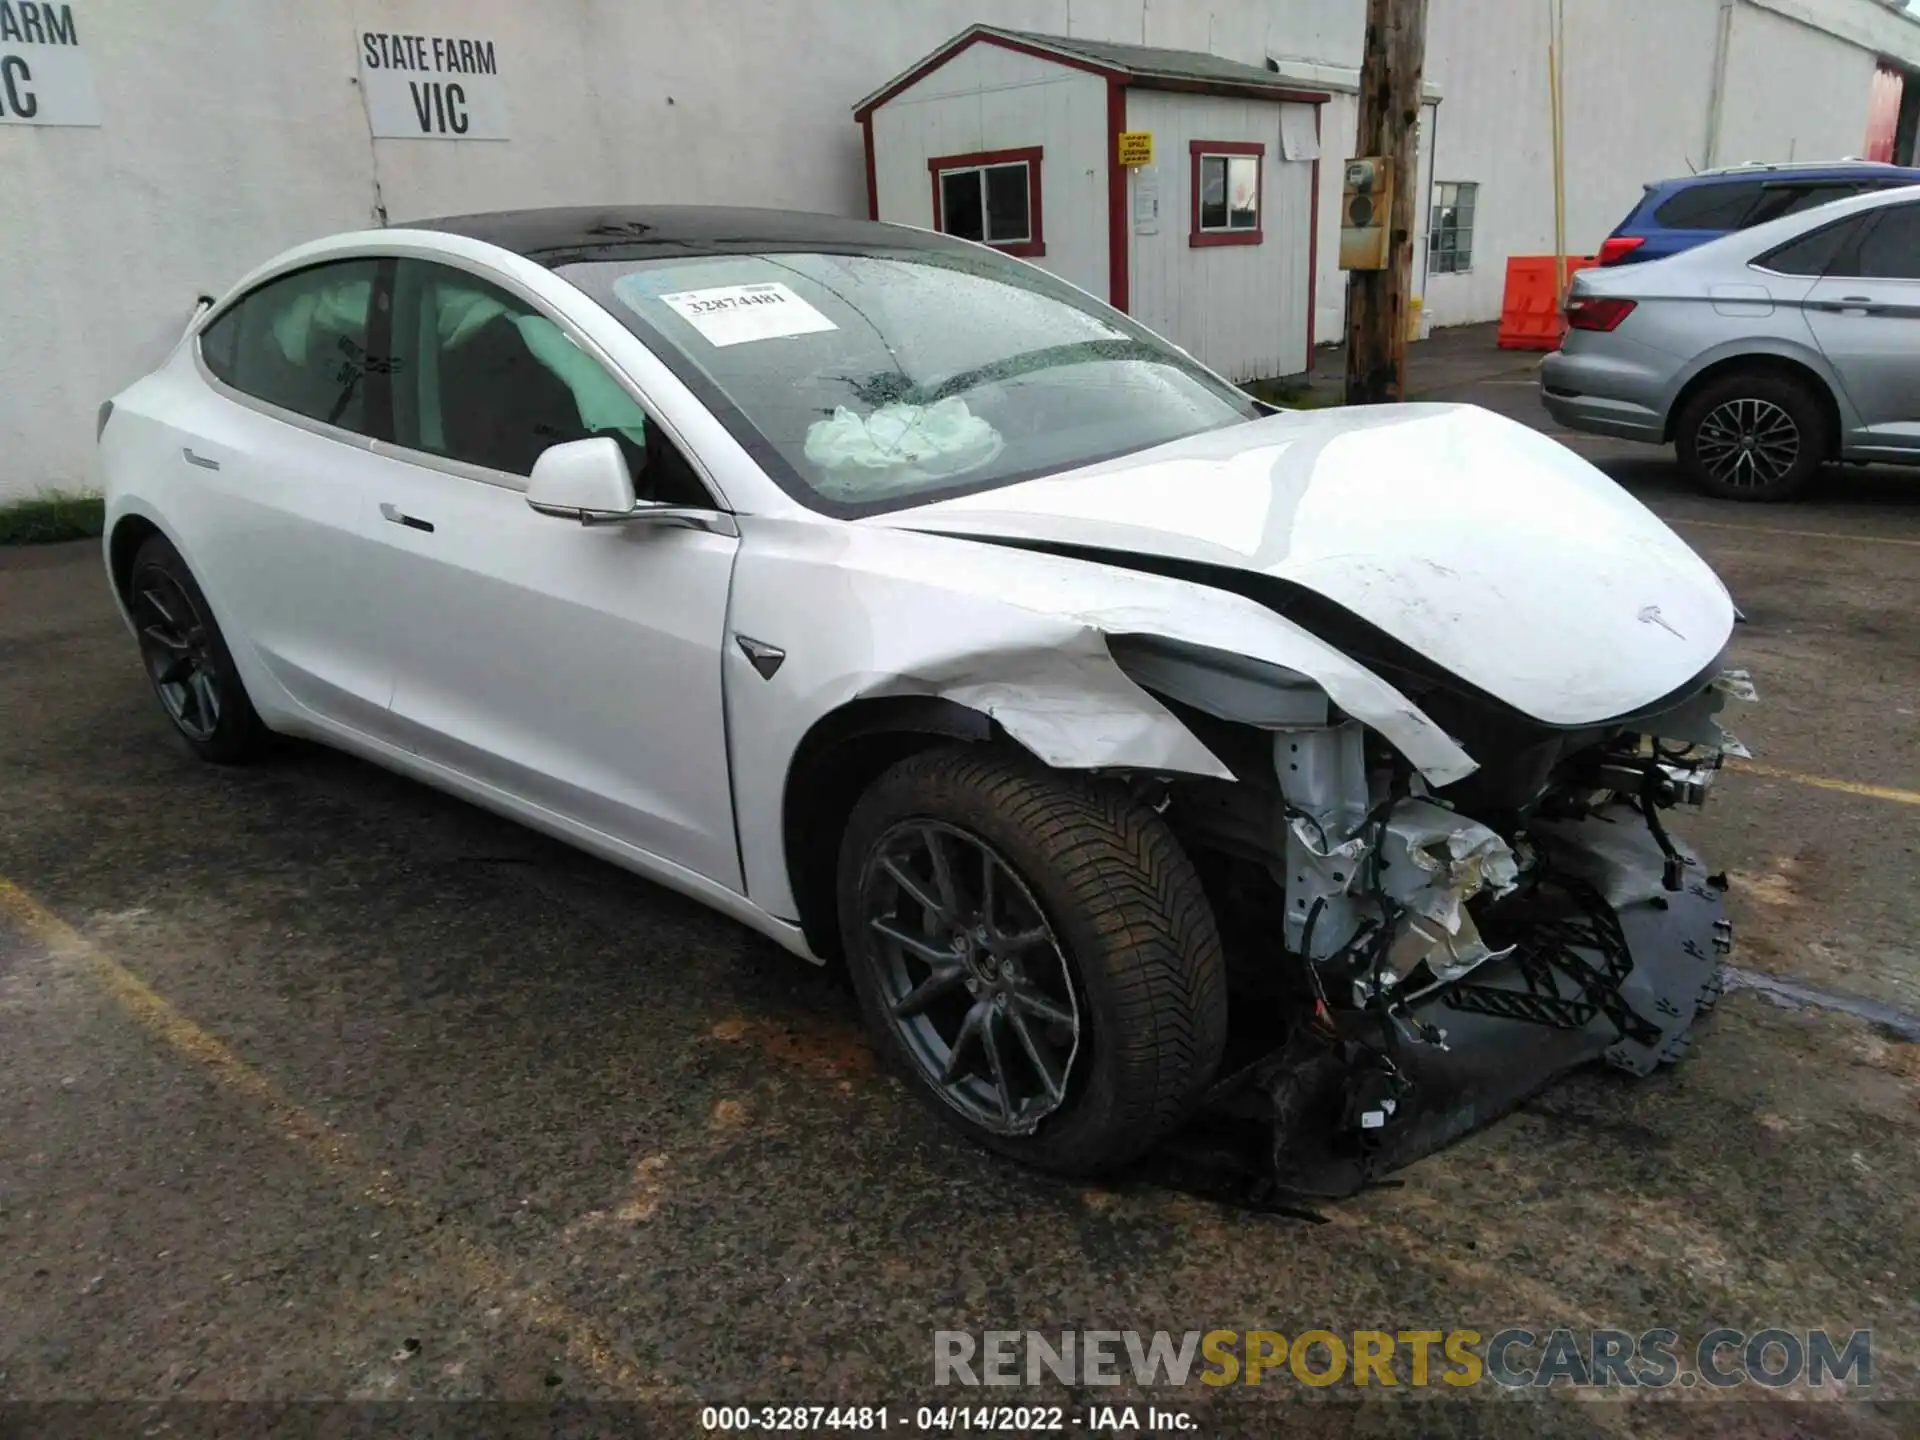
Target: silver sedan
{"points": [[1761, 356]]}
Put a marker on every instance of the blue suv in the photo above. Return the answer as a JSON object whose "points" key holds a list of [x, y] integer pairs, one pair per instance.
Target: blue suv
{"points": [[1677, 215]]}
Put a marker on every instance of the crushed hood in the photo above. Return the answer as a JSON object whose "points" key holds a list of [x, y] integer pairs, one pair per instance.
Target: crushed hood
{"points": [[1494, 552]]}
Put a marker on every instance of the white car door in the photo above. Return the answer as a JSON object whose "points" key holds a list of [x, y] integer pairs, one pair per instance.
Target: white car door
{"points": [[276, 446], [576, 669], [1865, 312]]}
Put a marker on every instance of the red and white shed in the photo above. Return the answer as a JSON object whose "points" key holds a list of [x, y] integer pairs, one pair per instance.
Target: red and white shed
{"points": [[1181, 187]]}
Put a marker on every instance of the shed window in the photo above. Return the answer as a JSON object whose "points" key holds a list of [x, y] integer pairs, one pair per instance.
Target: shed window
{"points": [[1226, 182], [1450, 246], [993, 196]]}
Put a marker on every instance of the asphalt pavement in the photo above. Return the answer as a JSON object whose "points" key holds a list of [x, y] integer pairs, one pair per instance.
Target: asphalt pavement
{"points": [[316, 1084]]}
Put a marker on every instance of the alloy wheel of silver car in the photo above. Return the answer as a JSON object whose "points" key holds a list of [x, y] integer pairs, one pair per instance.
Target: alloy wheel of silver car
{"points": [[1748, 443], [177, 646], [971, 975]]}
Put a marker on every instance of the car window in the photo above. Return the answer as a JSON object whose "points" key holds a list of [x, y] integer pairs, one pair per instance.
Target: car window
{"points": [[1778, 201], [307, 342], [1891, 249], [868, 378], [1813, 253], [487, 379], [1715, 206]]}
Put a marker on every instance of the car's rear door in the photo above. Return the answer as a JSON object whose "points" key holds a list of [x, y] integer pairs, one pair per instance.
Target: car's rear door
{"points": [[576, 669], [278, 444], [1865, 313]]}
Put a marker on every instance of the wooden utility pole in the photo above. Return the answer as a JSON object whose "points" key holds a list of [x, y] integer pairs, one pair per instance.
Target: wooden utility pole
{"points": [[1390, 92]]}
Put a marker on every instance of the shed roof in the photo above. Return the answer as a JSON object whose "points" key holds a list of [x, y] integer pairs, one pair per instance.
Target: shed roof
{"points": [[1147, 66]]}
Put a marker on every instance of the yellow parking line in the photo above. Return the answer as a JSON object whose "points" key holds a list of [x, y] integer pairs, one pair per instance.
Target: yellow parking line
{"points": [[337, 1154], [1824, 782], [1795, 534]]}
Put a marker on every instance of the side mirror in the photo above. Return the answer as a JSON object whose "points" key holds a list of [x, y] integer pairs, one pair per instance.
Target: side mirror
{"points": [[584, 480]]}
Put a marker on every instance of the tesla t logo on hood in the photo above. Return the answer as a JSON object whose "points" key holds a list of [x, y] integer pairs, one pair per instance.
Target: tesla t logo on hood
{"points": [[1651, 615]]}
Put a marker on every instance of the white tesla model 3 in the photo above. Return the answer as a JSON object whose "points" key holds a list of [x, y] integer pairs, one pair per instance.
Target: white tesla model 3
{"points": [[1141, 750]]}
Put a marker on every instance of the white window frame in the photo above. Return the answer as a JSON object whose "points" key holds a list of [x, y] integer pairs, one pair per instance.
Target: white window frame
{"points": [[1460, 258], [1226, 183]]}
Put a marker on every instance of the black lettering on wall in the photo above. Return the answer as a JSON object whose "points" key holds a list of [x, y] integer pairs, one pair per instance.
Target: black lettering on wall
{"points": [[9, 27], [15, 92], [485, 47], [30, 24], [457, 109], [422, 105], [60, 27]]}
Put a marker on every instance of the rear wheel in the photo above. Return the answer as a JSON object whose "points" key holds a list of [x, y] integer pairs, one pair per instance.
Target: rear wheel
{"points": [[187, 658], [1754, 435], [1035, 951]]}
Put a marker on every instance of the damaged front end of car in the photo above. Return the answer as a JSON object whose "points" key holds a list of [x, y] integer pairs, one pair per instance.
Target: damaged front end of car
{"points": [[1411, 961]]}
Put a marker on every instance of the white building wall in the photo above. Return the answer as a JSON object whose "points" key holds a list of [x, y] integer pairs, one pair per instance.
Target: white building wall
{"points": [[1640, 84], [1240, 308], [991, 98], [1792, 92], [231, 128], [1636, 111]]}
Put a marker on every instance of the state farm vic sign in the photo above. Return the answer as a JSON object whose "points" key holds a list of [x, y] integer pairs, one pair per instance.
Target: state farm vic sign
{"points": [[432, 87], [45, 77]]}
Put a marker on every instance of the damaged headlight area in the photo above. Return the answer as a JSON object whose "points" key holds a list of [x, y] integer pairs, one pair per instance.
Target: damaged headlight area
{"points": [[1409, 963]]}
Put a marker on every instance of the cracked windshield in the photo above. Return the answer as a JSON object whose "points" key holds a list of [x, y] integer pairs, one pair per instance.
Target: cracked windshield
{"points": [[869, 380]]}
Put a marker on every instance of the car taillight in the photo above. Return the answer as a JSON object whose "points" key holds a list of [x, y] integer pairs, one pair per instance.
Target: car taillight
{"points": [[1587, 312], [1617, 248]]}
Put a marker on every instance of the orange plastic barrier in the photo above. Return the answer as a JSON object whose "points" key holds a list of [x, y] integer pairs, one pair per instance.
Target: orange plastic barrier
{"points": [[1530, 315]]}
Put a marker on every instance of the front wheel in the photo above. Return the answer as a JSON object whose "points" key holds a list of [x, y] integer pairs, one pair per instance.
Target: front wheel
{"points": [[1034, 949], [1753, 435]]}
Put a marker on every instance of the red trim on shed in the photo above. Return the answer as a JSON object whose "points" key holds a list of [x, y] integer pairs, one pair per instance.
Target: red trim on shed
{"points": [[873, 180], [1029, 155], [1198, 237], [1313, 246], [1117, 295], [962, 42]]}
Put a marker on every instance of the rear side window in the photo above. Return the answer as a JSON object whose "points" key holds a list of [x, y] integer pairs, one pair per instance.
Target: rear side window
{"points": [[1891, 250], [1813, 254], [309, 342], [1779, 201], [1721, 206]]}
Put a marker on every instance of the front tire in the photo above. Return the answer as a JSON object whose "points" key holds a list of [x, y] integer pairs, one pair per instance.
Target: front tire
{"points": [[1035, 950], [187, 660], [1754, 435]]}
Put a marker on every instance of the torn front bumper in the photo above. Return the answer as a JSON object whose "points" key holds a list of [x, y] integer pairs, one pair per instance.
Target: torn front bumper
{"points": [[1606, 964]]}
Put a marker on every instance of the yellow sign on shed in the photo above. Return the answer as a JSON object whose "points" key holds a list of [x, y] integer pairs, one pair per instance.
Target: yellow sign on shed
{"points": [[1136, 147]]}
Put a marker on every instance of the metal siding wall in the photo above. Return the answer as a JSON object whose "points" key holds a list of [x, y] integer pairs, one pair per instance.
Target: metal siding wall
{"points": [[1638, 78], [1792, 93], [1239, 308], [991, 98]]}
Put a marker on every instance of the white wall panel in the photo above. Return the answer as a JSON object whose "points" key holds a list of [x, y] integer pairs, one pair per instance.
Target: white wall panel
{"points": [[1239, 308]]}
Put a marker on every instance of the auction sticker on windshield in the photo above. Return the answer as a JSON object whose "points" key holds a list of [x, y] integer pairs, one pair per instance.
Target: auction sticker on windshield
{"points": [[735, 314]]}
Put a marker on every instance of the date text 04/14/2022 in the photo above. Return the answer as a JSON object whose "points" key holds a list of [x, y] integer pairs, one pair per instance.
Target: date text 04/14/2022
{"points": [[945, 1419]]}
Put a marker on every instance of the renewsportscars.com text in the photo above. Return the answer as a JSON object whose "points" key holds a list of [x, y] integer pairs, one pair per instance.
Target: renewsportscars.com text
{"points": [[1514, 1358]]}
